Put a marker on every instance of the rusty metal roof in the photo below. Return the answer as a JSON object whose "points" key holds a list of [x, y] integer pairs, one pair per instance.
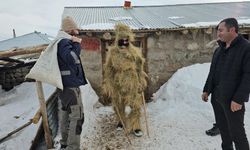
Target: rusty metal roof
{"points": [[158, 17]]}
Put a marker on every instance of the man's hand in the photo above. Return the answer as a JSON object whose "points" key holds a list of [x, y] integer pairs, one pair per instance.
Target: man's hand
{"points": [[204, 96], [76, 39], [235, 106]]}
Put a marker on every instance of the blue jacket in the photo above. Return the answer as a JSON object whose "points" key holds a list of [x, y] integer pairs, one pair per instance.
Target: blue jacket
{"points": [[68, 55]]}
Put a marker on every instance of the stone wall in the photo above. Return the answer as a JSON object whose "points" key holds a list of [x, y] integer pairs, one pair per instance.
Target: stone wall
{"points": [[92, 64], [166, 52], [13, 76], [172, 50]]}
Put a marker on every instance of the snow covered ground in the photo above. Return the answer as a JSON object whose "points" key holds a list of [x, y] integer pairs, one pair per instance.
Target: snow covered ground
{"points": [[17, 107], [177, 117]]}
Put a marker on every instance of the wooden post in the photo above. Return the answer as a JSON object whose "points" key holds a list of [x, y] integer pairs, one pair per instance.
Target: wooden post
{"points": [[145, 112], [42, 102], [123, 124]]}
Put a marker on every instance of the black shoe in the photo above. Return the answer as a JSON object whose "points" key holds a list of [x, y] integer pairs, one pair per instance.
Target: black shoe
{"points": [[63, 146], [138, 132], [213, 131], [119, 126]]}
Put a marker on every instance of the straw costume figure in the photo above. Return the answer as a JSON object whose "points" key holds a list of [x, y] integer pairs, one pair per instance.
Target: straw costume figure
{"points": [[125, 80]]}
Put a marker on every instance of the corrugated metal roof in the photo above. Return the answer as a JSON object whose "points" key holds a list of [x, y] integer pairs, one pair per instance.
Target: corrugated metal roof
{"points": [[158, 17], [27, 40]]}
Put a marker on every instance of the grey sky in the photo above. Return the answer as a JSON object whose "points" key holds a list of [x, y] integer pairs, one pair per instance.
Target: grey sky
{"points": [[45, 15]]}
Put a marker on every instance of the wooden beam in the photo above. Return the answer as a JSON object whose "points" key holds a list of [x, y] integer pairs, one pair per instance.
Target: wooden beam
{"points": [[22, 51]]}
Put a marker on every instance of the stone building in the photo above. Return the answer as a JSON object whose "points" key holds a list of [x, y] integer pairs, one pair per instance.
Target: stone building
{"points": [[13, 70], [170, 36]]}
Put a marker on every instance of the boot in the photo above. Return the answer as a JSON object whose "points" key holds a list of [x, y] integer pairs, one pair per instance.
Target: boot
{"points": [[213, 131], [119, 126], [138, 132]]}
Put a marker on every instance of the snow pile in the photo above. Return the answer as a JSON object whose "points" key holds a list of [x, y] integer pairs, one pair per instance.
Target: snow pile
{"points": [[90, 100], [184, 116]]}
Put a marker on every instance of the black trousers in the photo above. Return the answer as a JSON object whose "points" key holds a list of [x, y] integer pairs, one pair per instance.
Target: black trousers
{"points": [[231, 125]]}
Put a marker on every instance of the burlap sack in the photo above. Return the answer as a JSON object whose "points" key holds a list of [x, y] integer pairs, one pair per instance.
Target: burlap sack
{"points": [[46, 68]]}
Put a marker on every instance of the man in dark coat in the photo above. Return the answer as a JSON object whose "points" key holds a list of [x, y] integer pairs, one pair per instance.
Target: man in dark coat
{"points": [[229, 83], [207, 90]]}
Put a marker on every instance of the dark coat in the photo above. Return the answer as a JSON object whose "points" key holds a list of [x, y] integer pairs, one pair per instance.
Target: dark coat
{"points": [[68, 55], [209, 85], [234, 73]]}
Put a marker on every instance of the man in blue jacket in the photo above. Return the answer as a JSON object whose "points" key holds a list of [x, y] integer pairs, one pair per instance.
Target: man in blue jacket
{"points": [[229, 83], [72, 74]]}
